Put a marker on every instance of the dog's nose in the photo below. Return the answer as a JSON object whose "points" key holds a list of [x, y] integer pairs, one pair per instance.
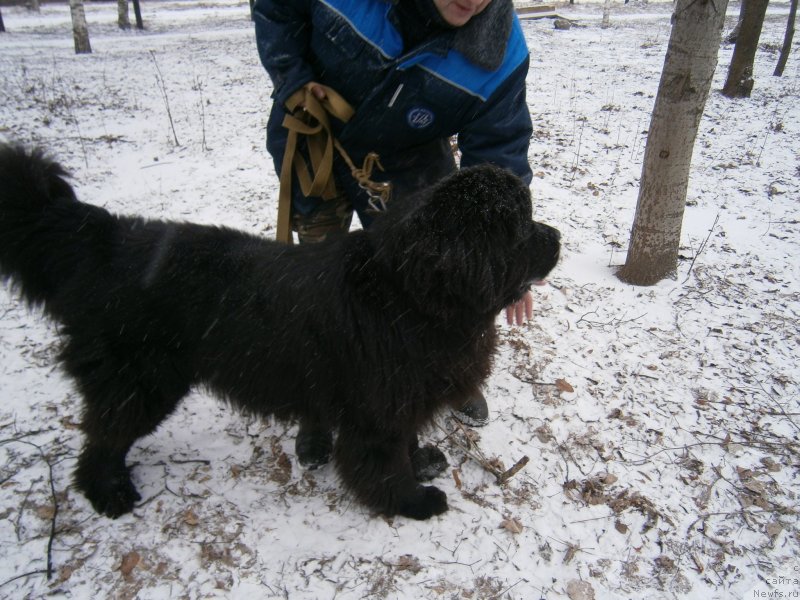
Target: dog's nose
{"points": [[547, 232]]}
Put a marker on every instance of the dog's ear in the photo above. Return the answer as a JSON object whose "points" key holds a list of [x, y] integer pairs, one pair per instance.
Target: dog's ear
{"points": [[452, 253]]}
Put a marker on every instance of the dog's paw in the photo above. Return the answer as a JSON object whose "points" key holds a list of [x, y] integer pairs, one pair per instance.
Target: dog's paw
{"points": [[426, 502], [428, 462], [313, 448], [113, 497]]}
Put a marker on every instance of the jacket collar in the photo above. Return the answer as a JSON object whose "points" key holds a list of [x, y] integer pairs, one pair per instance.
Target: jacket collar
{"points": [[484, 38], [482, 41]]}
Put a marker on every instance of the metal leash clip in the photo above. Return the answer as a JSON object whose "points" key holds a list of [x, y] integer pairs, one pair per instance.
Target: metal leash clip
{"points": [[377, 198]]}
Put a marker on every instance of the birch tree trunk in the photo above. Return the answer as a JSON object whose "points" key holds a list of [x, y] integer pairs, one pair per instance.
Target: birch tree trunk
{"points": [[80, 31], [787, 40], [739, 82], [685, 82], [123, 20]]}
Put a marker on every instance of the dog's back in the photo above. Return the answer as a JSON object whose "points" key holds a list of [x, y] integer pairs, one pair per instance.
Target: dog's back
{"points": [[40, 220]]}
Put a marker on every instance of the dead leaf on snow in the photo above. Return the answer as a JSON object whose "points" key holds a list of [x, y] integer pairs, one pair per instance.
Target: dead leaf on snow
{"points": [[496, 464], [457, 479], [770, 465], [774, 529], [562, 385], [129, 562], [665, 563], [580, 590], [512, 524], [408, 562], [45, 512], [608, 478], [698, 564], [544, 434], [572, 550], [191, 518]]}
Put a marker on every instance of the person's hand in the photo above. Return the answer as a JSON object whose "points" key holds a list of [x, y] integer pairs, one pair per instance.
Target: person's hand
{"points": [[317, 89], [522, 310]]}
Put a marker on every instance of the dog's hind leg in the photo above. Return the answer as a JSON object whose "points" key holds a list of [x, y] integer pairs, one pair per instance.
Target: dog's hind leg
{"points": [[122, 402], [378, 468]]}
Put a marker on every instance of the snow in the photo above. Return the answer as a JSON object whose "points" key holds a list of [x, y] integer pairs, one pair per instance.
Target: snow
{"points": [[670, 469]]}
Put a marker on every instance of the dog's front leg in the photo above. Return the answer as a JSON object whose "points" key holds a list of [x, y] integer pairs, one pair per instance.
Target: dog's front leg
{"points": [[427, 462], [378, 468]]}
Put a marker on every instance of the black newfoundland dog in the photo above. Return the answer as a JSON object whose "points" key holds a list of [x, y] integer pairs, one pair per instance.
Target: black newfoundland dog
{"points": [[368, 335]]}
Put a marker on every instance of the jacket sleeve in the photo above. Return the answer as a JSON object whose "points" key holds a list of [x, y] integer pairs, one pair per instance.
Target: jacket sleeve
{"points": [[501, 131], [283, 33]]}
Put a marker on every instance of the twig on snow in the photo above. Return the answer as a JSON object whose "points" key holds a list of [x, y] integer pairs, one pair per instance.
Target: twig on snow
{"points": [[162, 86], [49, 570], [701, 248], [22, 576]]}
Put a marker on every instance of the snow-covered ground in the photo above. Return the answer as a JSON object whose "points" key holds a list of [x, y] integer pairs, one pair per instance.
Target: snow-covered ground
{"points": [[661, 423]]}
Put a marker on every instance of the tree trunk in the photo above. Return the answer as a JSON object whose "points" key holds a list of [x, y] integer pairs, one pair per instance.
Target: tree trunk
{"points": [[2, 25], [123, 20], [137, 13], [787, 40], [734, 34], [685, 82], [80, 31], [740, 81], [606, 14]]}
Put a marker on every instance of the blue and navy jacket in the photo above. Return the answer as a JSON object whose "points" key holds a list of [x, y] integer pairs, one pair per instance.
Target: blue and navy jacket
{"points": [[468, 81]]}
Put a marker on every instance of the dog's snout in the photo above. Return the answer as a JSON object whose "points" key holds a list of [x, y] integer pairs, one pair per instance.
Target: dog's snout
{"points": [[545, 249], [546, 233], [551, 232]]}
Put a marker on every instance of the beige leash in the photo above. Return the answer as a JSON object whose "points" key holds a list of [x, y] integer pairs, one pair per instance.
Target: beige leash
{"points": [[308, 116]]}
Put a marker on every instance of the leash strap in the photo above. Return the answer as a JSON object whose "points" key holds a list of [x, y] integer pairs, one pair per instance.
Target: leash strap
{"points": [[308, 116]]}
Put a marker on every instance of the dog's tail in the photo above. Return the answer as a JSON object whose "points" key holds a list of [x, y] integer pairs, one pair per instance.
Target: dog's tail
{"points": [[46, 234]]}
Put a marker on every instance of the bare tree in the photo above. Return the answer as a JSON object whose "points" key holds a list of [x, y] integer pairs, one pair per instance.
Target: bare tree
{"points": [[137, 13], [80, 31], [787, 40], [740, 80], [734, 34], [685, 83], [123, 20]]}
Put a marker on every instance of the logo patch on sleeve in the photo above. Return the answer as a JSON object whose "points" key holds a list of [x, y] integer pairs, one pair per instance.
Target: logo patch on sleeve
{"points": [[419, 117]]}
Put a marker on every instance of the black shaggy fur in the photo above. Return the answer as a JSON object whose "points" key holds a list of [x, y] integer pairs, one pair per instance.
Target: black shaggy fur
{"points": [[369, 335]]}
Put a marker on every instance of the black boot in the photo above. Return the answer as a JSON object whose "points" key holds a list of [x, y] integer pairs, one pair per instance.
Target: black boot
{"points": [[474, 412], [329, 219], [313, 446]]}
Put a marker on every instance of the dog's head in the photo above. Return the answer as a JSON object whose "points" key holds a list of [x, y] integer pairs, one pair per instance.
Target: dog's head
{"points": [[468, 247]]}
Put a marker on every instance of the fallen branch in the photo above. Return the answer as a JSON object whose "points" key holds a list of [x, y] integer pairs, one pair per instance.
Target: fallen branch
{"points": [[474, 452], [49, 570]]}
